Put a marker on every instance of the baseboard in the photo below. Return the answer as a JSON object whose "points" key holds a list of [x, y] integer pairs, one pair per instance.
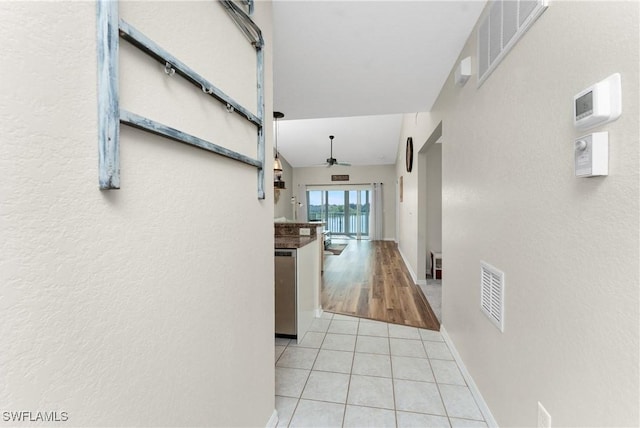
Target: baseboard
{"points": [[414, 277], [319, 312], [273, 420], [488, 416]]}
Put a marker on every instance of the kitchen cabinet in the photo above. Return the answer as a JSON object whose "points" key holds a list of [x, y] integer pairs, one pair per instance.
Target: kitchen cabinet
{"points": [[297, 282], [308, 286]]}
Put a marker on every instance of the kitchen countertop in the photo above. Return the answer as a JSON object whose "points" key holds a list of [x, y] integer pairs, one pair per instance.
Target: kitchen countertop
{"points": [[293, 241], [301, 223]]}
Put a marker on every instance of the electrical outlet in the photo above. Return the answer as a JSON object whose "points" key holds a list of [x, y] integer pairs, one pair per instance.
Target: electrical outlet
{"points": [[305, 231], [544, 418]]}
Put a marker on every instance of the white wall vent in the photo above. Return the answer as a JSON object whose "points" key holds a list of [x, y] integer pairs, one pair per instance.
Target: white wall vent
{"points": [[492, 294], [502, 25]]}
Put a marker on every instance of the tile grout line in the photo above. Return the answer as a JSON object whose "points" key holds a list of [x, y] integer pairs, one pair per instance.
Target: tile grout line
{"points": [[308, 376], [296, 398], [487, 416], [393, 379], [444, 407], [393, 376], [353, 357]]}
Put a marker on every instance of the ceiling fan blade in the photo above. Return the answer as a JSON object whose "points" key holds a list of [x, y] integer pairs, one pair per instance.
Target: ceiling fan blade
{"points": [[331, 161]]}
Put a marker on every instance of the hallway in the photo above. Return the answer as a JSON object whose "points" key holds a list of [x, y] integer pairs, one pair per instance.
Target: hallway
{"points": [[354, 372], [370, 280]]}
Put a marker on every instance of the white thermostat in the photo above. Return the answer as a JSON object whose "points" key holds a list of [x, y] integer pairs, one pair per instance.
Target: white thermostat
{"points": [[591, 154], [598, 104]]}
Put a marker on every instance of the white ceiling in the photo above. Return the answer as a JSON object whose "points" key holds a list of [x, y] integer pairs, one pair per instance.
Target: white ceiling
{"points": [[305, 142], [337, 60]]}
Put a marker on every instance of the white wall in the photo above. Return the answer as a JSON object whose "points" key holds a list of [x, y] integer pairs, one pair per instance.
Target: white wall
{"points": [[357, 175], [431, 186], [569, 247], [425, 182], [413, 211], [282, 208], [132, 307]]}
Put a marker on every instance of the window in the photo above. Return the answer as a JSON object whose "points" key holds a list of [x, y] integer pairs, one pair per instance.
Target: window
{"points": [[345, 212]]}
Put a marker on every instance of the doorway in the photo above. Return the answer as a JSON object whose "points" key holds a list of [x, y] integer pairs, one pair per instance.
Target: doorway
{"points": [[430, 218], [345, 212]]}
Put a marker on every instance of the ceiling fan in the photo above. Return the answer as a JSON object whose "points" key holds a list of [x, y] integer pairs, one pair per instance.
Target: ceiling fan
{"points": [[331, 161]]}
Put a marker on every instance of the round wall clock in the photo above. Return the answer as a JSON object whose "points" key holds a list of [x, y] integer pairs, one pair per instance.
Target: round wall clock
{"points": [[409, 154]]}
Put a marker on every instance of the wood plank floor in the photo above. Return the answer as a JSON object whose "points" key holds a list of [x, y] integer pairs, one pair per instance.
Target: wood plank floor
{"points": [[370, 280]]}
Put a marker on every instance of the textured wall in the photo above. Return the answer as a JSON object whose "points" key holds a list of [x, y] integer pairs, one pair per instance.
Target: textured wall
{"points": [[569, 247], [412, 214], [283, 207], [433, 166], [135, 306]]}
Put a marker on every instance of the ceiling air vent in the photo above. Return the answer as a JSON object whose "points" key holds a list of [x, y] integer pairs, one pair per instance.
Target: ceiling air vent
{"points": [[492, 294], [504, 22]]}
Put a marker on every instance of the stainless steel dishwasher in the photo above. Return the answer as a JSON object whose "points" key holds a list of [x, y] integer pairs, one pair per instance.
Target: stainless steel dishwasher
{"points": [[285, 279]]}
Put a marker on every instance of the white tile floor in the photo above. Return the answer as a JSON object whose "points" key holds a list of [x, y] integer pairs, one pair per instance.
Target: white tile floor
{"points": [[351, 372]]}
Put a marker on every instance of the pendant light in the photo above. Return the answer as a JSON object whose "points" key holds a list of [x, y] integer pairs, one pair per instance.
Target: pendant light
{"points": [[277, 164]]}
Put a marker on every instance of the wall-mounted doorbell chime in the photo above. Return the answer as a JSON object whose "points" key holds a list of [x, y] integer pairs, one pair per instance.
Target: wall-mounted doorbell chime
{"points": [[595, 106]]}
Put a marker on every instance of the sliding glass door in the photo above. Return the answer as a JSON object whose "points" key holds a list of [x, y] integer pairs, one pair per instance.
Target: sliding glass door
{"points": [[345, 212]]}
